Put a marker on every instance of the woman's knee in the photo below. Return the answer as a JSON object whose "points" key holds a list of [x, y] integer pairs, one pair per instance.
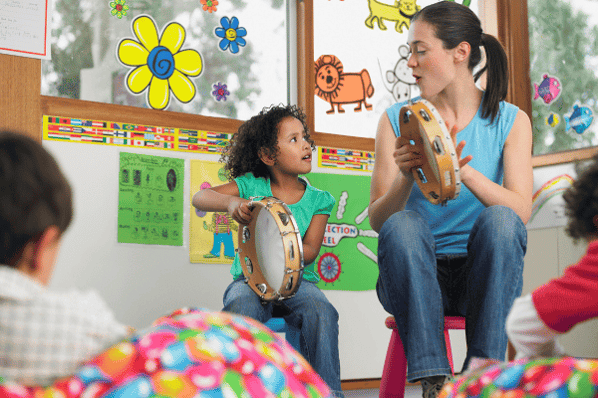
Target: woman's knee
{"points": [[502, 224], [403, 224]]}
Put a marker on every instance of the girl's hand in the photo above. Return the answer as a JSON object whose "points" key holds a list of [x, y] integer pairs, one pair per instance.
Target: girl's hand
{"points": [[407, 156], [240, 211]]}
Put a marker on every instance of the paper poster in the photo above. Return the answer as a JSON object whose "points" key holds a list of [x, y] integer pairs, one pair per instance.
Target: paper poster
{"points": [[348, 258], [212, 235], [102, 132], [24, 28], [150, 199], [345, 159], [548, 207]]}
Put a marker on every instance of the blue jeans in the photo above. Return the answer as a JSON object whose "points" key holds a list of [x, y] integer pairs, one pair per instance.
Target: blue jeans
{"points": [[419, 287], [309, 311]]}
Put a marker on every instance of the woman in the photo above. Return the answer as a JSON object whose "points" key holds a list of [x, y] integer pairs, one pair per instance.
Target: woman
{"points": [[465, 258]]}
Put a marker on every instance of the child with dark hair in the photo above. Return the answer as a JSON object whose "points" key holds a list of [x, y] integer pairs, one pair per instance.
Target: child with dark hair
{"points": [[537, 319], [43, 335], [264, 159]]}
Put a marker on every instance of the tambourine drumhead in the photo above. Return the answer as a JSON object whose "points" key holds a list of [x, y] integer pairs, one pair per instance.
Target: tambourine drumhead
{"points": [[271, 251], [439, 177]]}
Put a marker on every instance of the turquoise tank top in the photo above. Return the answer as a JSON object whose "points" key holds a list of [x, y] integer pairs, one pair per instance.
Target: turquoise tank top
{"points": [[452, 223]]}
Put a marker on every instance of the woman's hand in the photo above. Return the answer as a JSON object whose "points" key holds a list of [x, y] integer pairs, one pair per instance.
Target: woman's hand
{"points": [[459, 148], [239, 210], [407, 156]]}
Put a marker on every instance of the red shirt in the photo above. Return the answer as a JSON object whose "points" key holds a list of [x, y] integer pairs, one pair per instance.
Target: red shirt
{"points": [[573, 298]]}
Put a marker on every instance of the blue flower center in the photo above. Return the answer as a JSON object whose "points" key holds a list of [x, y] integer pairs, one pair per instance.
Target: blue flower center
{"points": [[161, 62]]}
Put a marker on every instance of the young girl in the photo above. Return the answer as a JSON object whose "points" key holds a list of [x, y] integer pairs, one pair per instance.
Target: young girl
{"points": [[265, 158], [465, 258]]}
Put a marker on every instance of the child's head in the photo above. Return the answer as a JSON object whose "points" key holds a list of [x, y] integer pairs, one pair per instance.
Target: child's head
{"points": [[35, 205], [581, 204], [260, 133]]}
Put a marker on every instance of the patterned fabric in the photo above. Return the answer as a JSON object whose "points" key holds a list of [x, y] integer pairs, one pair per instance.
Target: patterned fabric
{"points": [[191, 353], [46, 335], [550, 378]]}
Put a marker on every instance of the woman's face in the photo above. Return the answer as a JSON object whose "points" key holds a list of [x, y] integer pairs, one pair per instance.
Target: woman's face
{"points": [[432, 65]]}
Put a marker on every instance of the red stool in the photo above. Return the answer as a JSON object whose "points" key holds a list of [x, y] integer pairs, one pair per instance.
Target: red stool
{"points": [[395, 365]]}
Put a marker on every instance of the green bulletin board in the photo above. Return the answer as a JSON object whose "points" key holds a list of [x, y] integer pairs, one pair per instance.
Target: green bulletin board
{"points": [[348, 257], [150, 200]]}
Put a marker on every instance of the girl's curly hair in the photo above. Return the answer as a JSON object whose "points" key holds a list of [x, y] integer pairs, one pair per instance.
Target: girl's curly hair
{"points": [[241, 155], [581, 203]]}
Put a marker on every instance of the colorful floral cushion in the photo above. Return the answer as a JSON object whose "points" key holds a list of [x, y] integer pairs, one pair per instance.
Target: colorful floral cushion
{"points": [[191, 353], [550, 378]]}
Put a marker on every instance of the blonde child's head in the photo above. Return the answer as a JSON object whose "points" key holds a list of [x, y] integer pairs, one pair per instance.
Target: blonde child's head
{"points": [[260, 133], [581, 204]]}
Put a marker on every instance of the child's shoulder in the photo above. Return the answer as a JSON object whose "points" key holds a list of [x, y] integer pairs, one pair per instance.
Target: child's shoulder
{"points": [[321, 196]]}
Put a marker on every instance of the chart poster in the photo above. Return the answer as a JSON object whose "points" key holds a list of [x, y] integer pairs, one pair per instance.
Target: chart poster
{"points": [[212, 235], [150, 200], [348, 257]]}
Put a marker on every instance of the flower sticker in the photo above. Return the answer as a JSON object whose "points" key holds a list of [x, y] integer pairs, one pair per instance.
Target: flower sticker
{"points": [[119, 8], [209, 5], [159, 63], [232, 35], [220, 91]]}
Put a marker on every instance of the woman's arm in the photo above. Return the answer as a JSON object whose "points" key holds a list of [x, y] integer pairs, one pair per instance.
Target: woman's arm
{"points": [[312, 241], [223, 198], [516, 191], [391, 179]]}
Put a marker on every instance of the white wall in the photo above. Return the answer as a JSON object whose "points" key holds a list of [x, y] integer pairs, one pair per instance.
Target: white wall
{"points": [[142, 282]]}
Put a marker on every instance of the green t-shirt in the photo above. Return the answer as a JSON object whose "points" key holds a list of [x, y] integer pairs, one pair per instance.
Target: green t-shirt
{"points": [[314, 201]]}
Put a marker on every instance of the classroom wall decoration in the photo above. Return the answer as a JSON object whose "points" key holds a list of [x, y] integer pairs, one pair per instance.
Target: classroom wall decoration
{"points": [[348, 257], [212, 235], [160, 66], [548, 207], [340, 88], [131, 135], [368, 38], [400, 13], [150, 199], [345, 159]]}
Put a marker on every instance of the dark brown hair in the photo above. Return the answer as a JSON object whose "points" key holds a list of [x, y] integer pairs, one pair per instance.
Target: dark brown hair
{"points": [[34, 194], [581, 203], [241, 155], [455, 23]]}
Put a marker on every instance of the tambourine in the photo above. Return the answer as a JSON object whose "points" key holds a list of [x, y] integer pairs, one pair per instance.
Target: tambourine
{"points": [[271, 250], [438, 178]]}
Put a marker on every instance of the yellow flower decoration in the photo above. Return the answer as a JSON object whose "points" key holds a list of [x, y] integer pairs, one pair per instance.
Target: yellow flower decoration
{"points": [[159, 63]]}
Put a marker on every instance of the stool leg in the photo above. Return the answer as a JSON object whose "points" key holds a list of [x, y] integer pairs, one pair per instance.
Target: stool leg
{"points": [[449, 351], [394, 374]]}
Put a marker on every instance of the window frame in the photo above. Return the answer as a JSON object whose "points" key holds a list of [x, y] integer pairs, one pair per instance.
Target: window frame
{"points": [[21, 79]]}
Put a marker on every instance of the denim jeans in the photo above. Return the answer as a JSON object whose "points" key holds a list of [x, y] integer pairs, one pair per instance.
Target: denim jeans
{"points": [[309, 311], [419, 288]]}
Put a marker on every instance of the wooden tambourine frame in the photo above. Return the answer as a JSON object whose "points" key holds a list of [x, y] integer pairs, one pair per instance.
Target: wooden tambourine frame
{"points": [[438, 179], [293, 248]]}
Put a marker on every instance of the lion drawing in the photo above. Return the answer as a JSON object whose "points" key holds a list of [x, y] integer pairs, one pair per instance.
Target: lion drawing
{"points": [[338, 88], [401, 12]]}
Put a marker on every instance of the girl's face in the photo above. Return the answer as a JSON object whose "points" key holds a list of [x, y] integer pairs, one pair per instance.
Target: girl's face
{"points": [[431, 64], [294, 152]]}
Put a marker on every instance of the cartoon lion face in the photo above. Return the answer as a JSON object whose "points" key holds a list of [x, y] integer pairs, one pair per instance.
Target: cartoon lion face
{"points": [[329, 76]]}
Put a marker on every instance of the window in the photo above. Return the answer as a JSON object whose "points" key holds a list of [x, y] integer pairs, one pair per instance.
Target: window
{"points": [[237, 78]]}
